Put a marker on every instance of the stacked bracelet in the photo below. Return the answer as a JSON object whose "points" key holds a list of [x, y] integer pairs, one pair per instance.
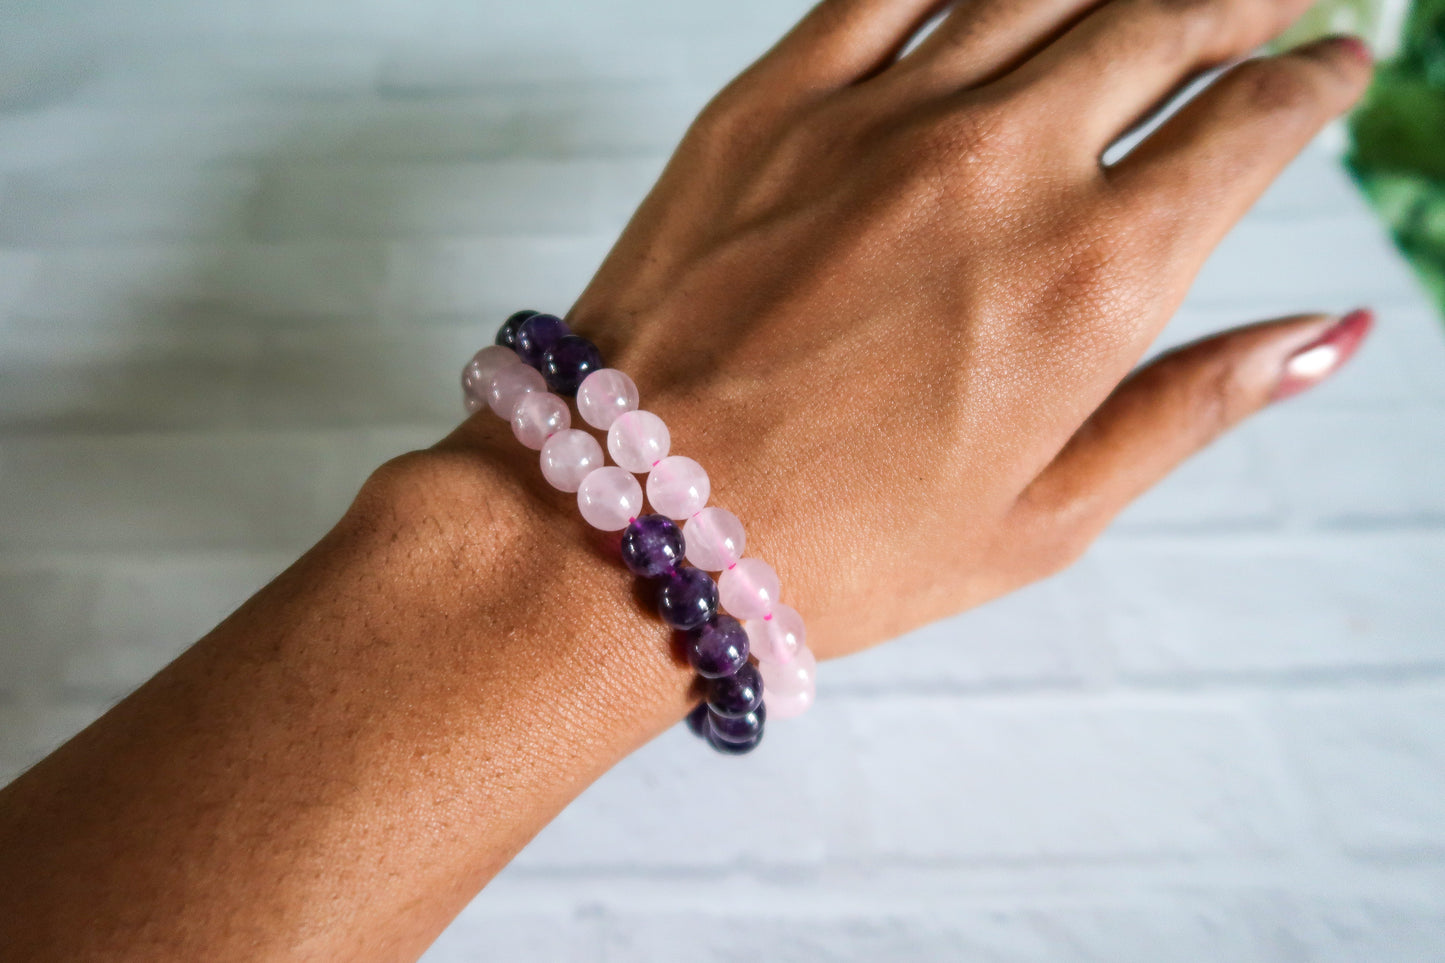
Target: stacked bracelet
{"points": [[534, 352]]}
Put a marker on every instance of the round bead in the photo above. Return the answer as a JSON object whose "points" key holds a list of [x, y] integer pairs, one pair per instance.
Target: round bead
{"points": [[605, 394], [687, 598], [789, 688], [792, 704], [697, 720], [537, 416], [749, 588], [717, 647], [537, 334], [609, 498], [477, 375], [508, 386], [780, 638], [736, 694], [568, 457], [743, 728], [678, 487], [714, 539], [568, 362], [638, 440], [507, 333], [733, 748], [652, 546]]}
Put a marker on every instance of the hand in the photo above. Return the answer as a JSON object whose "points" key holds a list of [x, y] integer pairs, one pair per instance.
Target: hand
{"points": [[888, 302], [888, 305]]}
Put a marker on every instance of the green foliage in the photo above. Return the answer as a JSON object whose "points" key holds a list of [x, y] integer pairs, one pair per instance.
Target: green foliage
{"points": [[1398, 143], [1397, 134]]}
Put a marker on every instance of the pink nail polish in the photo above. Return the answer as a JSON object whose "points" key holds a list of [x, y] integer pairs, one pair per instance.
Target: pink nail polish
{"points": [[1322, 357], [1353, 45], [1350, 44]]}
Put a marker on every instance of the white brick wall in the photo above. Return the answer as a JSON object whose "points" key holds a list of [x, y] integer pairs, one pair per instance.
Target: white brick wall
{"points": [[244, 247]]}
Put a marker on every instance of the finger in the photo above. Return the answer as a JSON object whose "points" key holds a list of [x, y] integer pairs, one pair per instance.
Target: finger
{"points": [[1125, 57], [982, 39], [1179, 403], [1205, 166], [841, 42]]}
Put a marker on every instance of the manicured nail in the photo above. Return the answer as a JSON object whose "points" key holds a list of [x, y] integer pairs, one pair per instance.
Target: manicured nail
{"points": [[1351, 44], [1322, 357]]}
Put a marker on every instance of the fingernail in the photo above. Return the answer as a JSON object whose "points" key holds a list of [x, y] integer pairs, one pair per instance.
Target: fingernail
{"points": [[1351, 44], [1323, 356]]}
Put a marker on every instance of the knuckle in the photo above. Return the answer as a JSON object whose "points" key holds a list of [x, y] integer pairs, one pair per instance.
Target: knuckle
{"points": [[731, 119], [959, 154], [975, 133], [1182, 27], [1210, 388], [1189, 7], [1279, 88], [1201, 17], [1053, 529], [1214, 399], [718, 119], [831, 18], [1219, 398]]}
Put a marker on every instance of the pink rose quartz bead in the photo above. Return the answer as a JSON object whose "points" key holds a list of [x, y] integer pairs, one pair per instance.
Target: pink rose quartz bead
{"points": [[714, 539], [477, 375], [678, 487], [508, 386], [748, 589], [789, 687], [605, 394], [777, 640], [568, 457], [537, 416], [609, 498], [638, 440]]}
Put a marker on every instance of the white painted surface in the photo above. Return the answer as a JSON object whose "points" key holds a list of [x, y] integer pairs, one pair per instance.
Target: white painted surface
{"points": [[244, 247]]}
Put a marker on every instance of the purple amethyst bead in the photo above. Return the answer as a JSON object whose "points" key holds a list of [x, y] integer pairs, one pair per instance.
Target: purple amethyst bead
{"points": [[652, 546], [733, 748], [688, 598], [697, 720], [569, 361], [507, 333], [744, 728], [736, 695], [718, 647], [537, 334]]}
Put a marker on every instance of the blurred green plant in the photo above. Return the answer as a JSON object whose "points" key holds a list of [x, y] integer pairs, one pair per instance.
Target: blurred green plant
{"points": [[1397, 151], [1397, 134]]}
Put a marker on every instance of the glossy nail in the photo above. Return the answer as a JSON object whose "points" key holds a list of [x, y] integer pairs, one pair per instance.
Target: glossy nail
{"points": [[1355, 46], [1325, 355]]}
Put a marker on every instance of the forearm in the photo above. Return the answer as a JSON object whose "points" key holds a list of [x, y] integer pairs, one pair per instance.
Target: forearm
{"points": [[339, 766], [892, 306]]}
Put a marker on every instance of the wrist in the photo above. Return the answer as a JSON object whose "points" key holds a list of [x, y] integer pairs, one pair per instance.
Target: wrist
{"points": [[499, 573]]}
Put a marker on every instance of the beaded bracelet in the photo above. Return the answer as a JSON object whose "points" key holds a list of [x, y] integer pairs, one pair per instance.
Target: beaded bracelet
{"points": [[534, 352]]}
